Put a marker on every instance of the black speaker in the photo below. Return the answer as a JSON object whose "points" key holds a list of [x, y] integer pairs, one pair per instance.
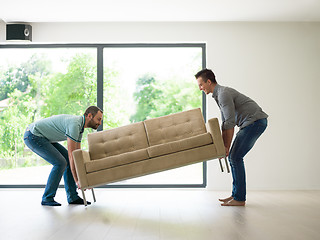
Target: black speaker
{"points": [[19, 32]]}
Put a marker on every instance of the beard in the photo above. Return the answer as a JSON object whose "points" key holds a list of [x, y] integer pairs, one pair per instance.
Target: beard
{"points": [[93, 125]]}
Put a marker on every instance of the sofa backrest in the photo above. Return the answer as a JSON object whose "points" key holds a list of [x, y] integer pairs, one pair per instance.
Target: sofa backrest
{"points": [[116, 141], [175, 126]]}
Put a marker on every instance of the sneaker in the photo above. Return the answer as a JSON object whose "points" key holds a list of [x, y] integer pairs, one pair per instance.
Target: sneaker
{"points": [[79, 201], [50, 203]]}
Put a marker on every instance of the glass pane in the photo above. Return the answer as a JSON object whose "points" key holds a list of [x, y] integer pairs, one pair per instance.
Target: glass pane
{"points": [[143, 83], [37, 83]]}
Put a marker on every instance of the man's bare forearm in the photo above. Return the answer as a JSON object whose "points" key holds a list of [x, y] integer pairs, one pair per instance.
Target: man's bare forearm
{"points": [[72, 145], [227, 136]]}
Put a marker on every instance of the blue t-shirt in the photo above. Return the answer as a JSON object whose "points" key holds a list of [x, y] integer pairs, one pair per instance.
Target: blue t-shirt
{"points": [[59, 127]]}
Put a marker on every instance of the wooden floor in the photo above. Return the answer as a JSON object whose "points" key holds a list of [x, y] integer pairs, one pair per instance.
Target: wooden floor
{"points": [[154, 214]]}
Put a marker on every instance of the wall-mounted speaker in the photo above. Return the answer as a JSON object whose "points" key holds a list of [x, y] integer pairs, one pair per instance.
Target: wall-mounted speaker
{"points": [[19, 32]]}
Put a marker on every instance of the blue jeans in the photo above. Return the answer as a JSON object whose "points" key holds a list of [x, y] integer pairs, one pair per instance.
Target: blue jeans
{"points": [[244, 141], [57, 155]]}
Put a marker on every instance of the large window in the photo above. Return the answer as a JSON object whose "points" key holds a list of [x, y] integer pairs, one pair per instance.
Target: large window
{"points": [[130, 82], [38, 83]]}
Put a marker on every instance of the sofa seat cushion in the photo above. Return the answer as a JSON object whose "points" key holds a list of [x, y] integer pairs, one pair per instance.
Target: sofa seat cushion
{"points": [[180, 145], [117, 160]]}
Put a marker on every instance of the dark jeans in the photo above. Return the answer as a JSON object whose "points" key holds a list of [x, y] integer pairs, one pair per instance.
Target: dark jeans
{"points": [[244, 141], [57, 155]]}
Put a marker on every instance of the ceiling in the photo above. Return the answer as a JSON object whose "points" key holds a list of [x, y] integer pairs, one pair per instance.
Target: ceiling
{"points": [[158, 10]]}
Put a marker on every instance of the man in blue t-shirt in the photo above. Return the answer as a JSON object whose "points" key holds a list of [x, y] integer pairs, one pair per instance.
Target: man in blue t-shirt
{"points": [[236, 110], [43, 138]]}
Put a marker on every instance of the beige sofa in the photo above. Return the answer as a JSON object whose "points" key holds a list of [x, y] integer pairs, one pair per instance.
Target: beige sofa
{"points": [[147, 147]]}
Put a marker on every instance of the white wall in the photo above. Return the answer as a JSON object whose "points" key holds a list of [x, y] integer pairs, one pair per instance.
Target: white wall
{"points": [[2, 31], [276, 64]]}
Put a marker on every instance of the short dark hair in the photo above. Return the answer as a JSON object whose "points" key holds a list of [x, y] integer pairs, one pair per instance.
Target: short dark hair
{"points": [[93, 110], [206, 74]]}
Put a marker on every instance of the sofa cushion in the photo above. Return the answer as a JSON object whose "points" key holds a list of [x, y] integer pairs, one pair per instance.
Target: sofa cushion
{"points": [[116, 141], [117, 160], [175, 127], [180, 145]]}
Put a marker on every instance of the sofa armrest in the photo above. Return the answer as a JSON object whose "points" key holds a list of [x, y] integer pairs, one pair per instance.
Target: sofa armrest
{"points": [[80, 157], [214, 129]]}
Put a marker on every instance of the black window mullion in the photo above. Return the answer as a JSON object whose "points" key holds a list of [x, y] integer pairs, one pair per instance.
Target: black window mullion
{"points": [[100, 80]]}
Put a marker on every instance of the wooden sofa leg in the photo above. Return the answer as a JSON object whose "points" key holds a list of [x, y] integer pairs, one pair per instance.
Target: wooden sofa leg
{"points": [[93, 195], [84, 198], [220, 165], [227, 165]]}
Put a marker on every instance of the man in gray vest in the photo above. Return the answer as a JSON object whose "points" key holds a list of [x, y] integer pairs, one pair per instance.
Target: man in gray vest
{"points": [[236, 109], [43, 138]]}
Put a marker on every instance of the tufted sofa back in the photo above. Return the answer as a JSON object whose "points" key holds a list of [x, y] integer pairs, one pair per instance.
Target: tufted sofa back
{"points": [[175, 127], [116, 141]]}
